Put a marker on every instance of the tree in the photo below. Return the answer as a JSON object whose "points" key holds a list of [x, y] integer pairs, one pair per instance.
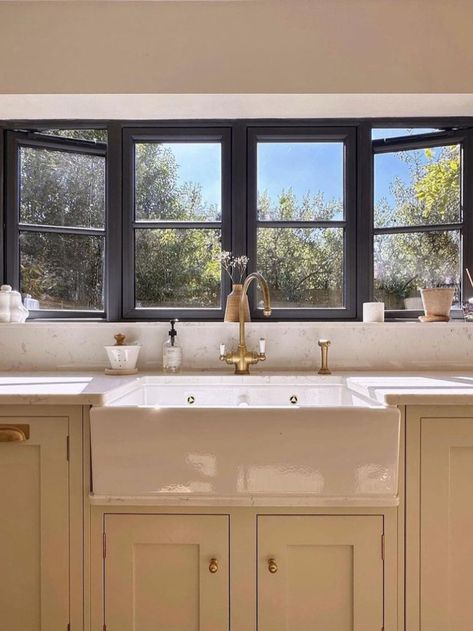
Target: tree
{"points": [[406, 261], [303, 266], [60, 188], [179, 266]]}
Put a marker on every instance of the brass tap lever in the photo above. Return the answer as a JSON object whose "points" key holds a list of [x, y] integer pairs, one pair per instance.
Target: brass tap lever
{"points": [[324, 369]]}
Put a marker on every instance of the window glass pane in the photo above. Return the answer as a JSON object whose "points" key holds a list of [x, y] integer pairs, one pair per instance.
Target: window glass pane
{"points": [[179, 181], [417, 187], [404, 263], [177, 268], [300, 180], [303, 266], [62, 271], [94, 135], [61, 188], [393, 132]]}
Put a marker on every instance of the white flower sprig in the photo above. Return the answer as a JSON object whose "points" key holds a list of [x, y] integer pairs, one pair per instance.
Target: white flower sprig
{"points": [[235, 266]]}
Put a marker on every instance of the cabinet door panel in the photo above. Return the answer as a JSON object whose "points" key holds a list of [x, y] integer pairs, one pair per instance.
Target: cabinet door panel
{"points": [[157, 573], [34, 529], [329, 573], [446, 541]]}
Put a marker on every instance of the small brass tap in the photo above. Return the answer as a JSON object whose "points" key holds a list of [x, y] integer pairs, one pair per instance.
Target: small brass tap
{"points": [[242, 358], [324, 369]]}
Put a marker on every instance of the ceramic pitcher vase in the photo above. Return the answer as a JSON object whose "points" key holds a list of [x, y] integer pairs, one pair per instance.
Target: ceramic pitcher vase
{"points": [[233, 305]]}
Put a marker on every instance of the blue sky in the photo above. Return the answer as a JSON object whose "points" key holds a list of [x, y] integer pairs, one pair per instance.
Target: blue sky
{"points": [[305, 167]]}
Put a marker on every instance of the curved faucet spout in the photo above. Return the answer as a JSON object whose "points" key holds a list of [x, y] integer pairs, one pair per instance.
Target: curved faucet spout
{"points": [[266, 299]]}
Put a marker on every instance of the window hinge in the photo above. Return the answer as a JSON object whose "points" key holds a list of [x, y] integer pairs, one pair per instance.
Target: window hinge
{"points": [[104, 543], [67, 448], [382, 554]]}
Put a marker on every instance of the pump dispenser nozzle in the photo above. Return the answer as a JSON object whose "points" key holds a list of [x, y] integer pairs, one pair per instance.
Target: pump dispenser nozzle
{"points": [[173, 332]]}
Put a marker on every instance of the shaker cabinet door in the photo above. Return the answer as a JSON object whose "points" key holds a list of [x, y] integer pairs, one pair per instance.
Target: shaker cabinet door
{"points": [[166, 572], [446, 524], [323, 573], [34, 524]]}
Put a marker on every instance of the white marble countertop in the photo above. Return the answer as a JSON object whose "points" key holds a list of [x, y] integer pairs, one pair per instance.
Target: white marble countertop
{"points": [[95, 388]]}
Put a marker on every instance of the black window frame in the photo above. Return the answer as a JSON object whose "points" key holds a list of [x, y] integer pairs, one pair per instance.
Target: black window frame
{"points": [[464, 226], [171, 134], [237, 226], [15, 140], [344, 135]]}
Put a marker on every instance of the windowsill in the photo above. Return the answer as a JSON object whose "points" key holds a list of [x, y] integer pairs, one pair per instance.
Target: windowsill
{"points": [[389, 323]]}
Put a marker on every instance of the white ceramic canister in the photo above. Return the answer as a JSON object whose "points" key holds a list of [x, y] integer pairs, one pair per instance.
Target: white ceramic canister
{"points": [[5, 295], [18, 312], [123, 357], [11, 305]]}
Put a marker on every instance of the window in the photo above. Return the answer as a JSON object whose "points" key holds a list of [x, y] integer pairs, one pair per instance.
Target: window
{"points": [[56, 224], [301, 222], [176, 204], [418, 218], [126, 220]]}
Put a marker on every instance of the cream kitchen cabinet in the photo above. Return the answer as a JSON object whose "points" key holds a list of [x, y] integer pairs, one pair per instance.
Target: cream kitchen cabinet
{"points": [[439, 509], [166, 572], [39, 494], [320, 572], [173, 571]]}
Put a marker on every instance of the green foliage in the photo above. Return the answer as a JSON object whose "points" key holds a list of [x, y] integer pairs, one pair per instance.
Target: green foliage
{"points": [[174, 268], [179, 267], [303, 266], [59, 188], [406, 262]]}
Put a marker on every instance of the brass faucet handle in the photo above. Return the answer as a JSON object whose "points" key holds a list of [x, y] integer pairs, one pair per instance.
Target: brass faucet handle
{"points": [[324, 369]]}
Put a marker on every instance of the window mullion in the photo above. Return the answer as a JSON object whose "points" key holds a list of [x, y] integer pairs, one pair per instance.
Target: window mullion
{"points": [[420, 228], [364, 217], [176, 225]]}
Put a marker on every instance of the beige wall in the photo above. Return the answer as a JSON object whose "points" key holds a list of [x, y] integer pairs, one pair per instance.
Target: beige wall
{"points": [[290, 46]]}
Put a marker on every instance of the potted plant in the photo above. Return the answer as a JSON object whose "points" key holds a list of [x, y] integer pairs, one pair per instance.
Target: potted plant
{"points": [[235, 267], [437, 303]]}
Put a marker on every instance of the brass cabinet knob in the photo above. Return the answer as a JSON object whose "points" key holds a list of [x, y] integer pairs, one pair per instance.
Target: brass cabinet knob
{"points": [[272, 566], [213, 566]]}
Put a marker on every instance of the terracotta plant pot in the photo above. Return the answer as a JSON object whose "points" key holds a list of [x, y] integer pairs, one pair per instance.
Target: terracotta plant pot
{"points": [[437, 304], [232, 309]]}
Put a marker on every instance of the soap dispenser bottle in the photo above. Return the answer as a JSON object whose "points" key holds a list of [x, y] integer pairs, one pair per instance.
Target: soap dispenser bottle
{"points": [[172, 352]]}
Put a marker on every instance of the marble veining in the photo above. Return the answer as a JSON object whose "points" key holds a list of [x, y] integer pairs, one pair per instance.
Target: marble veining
{"points": [[289, 345]]}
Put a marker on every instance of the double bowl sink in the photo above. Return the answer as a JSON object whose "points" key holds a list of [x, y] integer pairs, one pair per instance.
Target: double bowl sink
{"points": [[269, 440]]}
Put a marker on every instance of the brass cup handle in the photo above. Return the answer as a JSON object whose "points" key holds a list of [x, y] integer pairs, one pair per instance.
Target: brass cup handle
{"points": [[213, 566], [272, 566], [13, 433]]}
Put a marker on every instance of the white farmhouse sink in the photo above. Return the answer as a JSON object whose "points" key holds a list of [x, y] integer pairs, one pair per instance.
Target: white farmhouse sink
{"points": [[249, 440]]}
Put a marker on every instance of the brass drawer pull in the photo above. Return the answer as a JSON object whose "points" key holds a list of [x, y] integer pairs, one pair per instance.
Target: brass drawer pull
{"points": [[14, 433], [272, 566], [213, 566]]}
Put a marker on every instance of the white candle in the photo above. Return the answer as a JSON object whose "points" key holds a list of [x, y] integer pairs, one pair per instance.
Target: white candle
{"points": [[373, 312]]}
